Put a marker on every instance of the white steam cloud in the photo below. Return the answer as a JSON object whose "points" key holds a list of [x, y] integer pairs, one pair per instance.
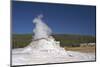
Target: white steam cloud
{"points": [[41, 30]]}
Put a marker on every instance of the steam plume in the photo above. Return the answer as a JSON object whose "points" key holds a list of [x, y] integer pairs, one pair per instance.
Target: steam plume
{"points": [[41, 30]]}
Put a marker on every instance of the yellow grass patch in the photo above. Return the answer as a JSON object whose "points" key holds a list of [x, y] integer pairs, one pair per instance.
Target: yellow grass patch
{"points": [[87, 49]]}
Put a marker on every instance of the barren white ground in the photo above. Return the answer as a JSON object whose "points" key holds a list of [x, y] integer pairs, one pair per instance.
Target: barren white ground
{"points": [[42, 57]]}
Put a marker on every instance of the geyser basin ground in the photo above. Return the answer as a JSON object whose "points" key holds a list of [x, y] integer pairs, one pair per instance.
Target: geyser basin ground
{"points": [[49, 56], [47, 51]]}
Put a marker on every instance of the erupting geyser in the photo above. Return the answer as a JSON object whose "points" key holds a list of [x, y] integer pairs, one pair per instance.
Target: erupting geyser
{"points": [[45, 49], [42, 40]]}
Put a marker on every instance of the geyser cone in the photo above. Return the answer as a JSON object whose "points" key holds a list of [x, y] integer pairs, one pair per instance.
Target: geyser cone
{"points": [[42, 39]]}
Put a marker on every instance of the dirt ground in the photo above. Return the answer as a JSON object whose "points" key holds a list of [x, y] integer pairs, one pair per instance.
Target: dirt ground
{"points": [[86, 49]]}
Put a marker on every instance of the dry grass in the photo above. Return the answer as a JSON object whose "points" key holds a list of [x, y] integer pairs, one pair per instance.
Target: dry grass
{"points": [[87, 49]]}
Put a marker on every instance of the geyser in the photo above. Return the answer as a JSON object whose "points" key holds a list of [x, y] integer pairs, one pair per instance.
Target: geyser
{"points": [[42, 40], [45, 49]]}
